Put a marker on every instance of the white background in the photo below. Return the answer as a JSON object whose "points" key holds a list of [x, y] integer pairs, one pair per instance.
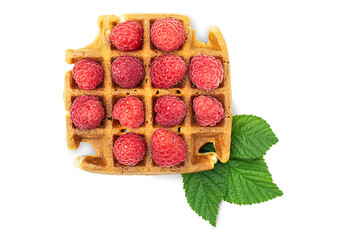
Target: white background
{"points": [[288, 63]]}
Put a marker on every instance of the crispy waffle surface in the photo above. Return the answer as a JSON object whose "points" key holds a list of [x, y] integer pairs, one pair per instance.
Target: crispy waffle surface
{"points": [[195, 136]]}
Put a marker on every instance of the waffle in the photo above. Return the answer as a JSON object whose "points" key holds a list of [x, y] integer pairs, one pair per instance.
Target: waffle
{"points": [[102, 138]]}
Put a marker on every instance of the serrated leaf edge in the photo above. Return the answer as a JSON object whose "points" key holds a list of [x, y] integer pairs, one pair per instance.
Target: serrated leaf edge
{"points": [[266, 148], [280, 193], [213, 223]]}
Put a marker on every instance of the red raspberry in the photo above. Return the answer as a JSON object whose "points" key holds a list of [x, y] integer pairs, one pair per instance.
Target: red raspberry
{"points": [[129, 111], [127, 71], [129, 149], [87, 73], [168, 149], [170, 111], [208, 110], [167, 70], [167, 34], [87, 112], [206, 72], [127, 36]]}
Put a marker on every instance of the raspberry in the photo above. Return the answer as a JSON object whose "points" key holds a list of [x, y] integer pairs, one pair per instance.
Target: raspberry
{"points": [[208, 110], [127, 36], [168, 149], [167, 34], [87, 112], [129, 111], [127, 71], [167, 70], [206, 72], [87, 73], [170, 111], [129, 149]]}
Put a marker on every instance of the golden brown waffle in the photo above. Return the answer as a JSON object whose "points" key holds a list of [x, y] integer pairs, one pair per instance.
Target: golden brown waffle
{"points": [[195, 136]]}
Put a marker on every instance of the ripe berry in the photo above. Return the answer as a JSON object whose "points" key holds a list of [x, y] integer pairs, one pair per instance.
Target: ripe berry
{"points": [[87, 112], [170, 111], [206, 72], [167, 70], [208, 110], [168, 149], [127, 71], [87, 73], [129, 111], [127, 36], [129, 149], [167, 34]]}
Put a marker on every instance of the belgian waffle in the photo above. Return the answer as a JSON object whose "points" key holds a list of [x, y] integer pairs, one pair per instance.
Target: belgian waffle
{"points": [[102, 138]]}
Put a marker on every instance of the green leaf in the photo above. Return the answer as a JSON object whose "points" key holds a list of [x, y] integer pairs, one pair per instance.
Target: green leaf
{"points": [[208, 147], [204, 191], [251, 137], [244, 179], [249, 181]]}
